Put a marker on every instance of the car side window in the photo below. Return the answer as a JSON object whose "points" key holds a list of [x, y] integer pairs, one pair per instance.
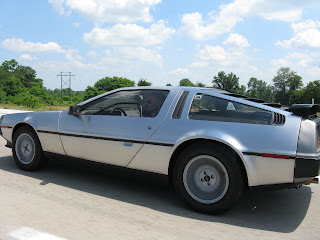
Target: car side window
{"points": [[129, 103], [209, 108]]}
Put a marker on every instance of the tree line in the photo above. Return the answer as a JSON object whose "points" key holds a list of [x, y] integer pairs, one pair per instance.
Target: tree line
{"points": [[287, 87], [20, 85]]}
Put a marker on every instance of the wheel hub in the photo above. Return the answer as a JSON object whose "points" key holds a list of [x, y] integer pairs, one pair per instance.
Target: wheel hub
{"points": [[207, 178], [25, 148]]}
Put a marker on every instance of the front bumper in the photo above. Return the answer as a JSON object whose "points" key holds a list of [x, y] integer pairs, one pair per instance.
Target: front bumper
{"points": [[305, 170]]}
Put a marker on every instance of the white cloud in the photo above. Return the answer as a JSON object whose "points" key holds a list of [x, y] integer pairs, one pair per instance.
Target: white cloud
{"points": [[92, 53], [139, 54], [236, 40], [72, 55], [302, 26], [57, 6], [139, 62], [124, 11], [19, 45], [129, 35], [284, 10], [201, 64], [306, 34], [304, 63], [27, 57], [194, 26], [294, 60], [230, 14], [212, 53], [180, 71], [282, 15], [212, 59], [108, 52]]}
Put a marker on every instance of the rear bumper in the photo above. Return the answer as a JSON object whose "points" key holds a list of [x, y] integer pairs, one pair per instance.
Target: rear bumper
{"points": [[305, 170]]}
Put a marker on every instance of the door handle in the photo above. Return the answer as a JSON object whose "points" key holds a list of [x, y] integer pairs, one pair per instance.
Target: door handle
{"points": [[128, 144]]}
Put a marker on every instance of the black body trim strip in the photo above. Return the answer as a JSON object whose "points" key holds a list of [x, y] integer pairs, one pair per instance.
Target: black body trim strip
{"points": [[108, 138], [43, 131]]}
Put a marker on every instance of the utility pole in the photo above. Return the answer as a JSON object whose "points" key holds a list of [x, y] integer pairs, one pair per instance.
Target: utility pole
{"points": [[66, 81]]}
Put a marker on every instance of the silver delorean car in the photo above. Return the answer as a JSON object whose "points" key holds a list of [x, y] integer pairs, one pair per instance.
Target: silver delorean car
{"points": [[212, 144]]}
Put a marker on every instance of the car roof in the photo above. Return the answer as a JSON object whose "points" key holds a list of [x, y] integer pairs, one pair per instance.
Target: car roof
{"points": [[240, 97], [169, 88], [183, 88]]}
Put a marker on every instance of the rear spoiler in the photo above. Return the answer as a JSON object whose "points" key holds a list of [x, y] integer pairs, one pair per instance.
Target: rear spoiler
{"points": [[304, 110]]}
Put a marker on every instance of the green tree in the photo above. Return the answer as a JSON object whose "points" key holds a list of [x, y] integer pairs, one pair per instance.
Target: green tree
{"points": [[311, 91], [260, 89], [168, 84], [108, 84], [2, 96], [3, 77], [9, 66], [27, 76], [286, 82], [199, 84], [143, 82], [19, 85], [225, 82], [91, 92], [242, 90], [12, 86], [186, 82]]}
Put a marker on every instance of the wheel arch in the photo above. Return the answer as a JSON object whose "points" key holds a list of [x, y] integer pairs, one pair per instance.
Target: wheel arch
{"points": [[23, 124], [215, 143]]}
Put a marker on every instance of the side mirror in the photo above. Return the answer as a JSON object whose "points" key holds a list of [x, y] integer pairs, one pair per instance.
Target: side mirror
{"points": [[75, 110]]}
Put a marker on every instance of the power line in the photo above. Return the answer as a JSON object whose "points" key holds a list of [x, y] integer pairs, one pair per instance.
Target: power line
{"points": [[66, 82]]}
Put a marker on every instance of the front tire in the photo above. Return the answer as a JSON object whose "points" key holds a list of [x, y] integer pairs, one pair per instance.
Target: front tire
{"points": [[27, 150], [207, 179]]}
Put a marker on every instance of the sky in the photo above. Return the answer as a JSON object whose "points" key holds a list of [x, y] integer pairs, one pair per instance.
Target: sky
{"points": [[162, 41]]}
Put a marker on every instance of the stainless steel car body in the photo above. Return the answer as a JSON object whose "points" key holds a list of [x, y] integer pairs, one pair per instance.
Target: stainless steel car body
{"points": [[268, 152]]}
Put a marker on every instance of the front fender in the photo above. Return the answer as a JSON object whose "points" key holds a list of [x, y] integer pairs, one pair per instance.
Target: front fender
{"points": [[45, 125]]}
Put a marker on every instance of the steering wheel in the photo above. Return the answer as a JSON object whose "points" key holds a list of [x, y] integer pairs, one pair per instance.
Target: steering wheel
{"points": [[119, 109]]}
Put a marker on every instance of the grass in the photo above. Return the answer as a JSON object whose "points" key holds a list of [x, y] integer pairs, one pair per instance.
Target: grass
{"points": [[43, 108]]}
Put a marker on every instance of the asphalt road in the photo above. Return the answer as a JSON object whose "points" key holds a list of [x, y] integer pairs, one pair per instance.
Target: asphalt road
{"points": [[75, 199]]}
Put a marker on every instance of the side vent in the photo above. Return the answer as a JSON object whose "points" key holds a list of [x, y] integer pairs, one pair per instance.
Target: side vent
{"points": [[278, 119]]}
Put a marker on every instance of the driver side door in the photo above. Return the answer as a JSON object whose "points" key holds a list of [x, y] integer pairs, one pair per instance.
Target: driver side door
{"points": [[110, 129]]}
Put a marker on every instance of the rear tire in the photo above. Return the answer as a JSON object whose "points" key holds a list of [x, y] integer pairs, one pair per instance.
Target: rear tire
{"points": [[207, 179], [27, 150]]}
